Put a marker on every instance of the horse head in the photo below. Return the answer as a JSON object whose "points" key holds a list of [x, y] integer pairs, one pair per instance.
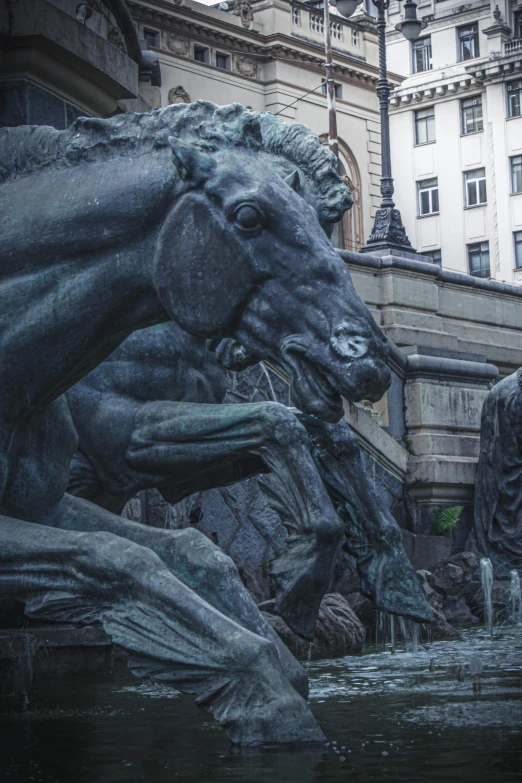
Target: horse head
{"points": [[259, 268]]}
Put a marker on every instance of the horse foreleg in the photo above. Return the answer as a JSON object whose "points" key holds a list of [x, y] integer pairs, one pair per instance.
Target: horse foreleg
{"points": [[189, 446], [373, 537], [193, 559], [173, 634]]}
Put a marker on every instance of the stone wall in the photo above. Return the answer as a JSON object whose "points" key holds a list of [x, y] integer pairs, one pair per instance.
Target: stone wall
{"points": [[453, 336], [56, 65]]}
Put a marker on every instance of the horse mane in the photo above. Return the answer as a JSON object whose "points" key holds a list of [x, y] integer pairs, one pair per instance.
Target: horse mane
{"points": [[27, 149]]}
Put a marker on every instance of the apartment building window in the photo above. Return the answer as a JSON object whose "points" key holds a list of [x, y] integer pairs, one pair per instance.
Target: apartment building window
{"points": [[355, 38], [421, 54], [516, 174], [514, 93], [202, 54], [316, 24], [471, 110], [435, 255], [428, 191], [424, 125], [517, 236], [223, 61], [468, 42], [151, 37], [517, 24], [478, 259], [475, 185], [296, 16], [338, 90]]}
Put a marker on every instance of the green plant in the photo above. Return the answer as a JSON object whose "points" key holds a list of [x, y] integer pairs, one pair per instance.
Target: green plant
{"points": [[407, 443], [445, 520]]}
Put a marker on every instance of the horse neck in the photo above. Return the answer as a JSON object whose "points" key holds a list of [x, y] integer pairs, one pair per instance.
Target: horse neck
{"points": [[63, 320]]}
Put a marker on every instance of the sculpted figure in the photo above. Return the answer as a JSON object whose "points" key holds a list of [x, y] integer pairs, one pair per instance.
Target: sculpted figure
{"points": [[497, 531], [141, 424], [115, 225]]}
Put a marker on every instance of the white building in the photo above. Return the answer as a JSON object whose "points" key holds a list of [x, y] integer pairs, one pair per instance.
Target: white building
{"points": [[456, 134], [270, 55]]}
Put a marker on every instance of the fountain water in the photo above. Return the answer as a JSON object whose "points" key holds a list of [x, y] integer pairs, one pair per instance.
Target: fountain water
{"points": [[516, 598], [486, 572], [398, 632]]}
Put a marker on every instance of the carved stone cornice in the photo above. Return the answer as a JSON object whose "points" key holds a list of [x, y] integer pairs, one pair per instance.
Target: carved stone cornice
{"points": [[497, 68], [182, 21], [471, 81], [432, 91], [451, 18]]}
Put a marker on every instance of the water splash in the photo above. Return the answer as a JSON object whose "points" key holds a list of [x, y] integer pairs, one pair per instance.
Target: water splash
{"points": [[515, 595], [486, 573]]}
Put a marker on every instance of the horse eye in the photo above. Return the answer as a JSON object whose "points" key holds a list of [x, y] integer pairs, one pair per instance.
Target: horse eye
{"points": [[248, 217]]}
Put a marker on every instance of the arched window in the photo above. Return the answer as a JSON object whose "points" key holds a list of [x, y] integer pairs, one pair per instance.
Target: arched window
{"points": [[348, 233]]}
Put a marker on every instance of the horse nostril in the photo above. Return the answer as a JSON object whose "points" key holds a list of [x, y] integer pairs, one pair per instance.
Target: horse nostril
{"points": [[347, 344]]}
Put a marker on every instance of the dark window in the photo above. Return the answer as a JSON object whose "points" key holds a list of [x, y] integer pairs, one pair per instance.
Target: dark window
{"points": [[223, 61], [201, 54], [151, 38], [424, 125], [468, 42], [475, 185], [428, 191], [516, 174], [518, 249], [517, 24], [471, 109], [435, 255], [421, 54], [514, 93], [478, 259], [338, 90]]}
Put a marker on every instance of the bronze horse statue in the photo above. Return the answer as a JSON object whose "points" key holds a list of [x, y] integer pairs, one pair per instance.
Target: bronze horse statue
{"points": [[116, 225]]}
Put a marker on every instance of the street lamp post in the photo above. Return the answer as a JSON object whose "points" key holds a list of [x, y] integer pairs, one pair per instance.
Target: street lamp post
{"points": [[330, 83], [388, 234]]}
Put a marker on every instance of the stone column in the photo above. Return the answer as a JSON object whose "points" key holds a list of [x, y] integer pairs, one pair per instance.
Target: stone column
{"points": [[443, 401]]}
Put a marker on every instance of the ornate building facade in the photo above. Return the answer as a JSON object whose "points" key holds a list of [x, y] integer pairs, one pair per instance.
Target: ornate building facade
{"points": [[456, 132]]}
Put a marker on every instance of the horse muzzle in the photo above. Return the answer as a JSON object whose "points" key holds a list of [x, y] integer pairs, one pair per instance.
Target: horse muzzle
{"points": [[348, 344]]}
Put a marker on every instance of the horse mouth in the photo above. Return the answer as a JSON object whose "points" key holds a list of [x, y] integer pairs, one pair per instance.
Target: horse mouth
{"points": [[312, 391]]}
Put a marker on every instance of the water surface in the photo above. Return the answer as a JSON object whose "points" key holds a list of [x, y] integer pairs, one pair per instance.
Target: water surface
{"points": [[389, 717]]}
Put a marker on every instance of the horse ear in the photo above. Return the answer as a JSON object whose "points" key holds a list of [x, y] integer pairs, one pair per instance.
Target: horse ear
{"points": [[294, 181], [192, 164], [194, 247]]}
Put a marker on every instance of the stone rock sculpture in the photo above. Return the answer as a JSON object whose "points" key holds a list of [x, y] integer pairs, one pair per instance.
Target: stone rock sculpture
{"points": [[497, 531], [115, 225]]}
